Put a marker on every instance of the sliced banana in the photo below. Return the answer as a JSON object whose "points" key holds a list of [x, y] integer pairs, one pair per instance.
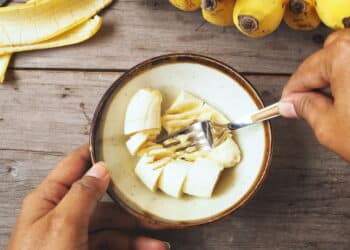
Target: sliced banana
{"points": [[188, 109], [173, 177], [202, 177], [149, 172], [143, 112], [135, 142], [227, 153], [168, 166]]}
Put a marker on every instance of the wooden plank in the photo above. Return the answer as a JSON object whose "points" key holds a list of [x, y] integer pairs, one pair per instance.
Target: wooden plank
{"points": [[136, 30], [304, 203]]}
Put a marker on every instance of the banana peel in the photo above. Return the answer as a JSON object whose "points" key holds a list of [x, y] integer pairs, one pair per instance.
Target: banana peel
{"points": [[4, 62], [49, 17], [78, 34]]}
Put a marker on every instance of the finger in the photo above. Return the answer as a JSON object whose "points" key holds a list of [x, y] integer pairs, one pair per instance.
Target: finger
{"points": [[110, 215], [110, 239], [69, 170], [55, 186], [311, 74], [79, 203], [317, 109], [335, 35]]}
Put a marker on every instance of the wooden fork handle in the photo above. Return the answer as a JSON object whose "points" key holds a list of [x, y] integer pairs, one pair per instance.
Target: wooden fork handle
{"points": [[266, 113]]}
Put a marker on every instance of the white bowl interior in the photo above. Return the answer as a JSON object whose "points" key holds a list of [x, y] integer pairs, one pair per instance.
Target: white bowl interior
{"points": [[218, 89]]}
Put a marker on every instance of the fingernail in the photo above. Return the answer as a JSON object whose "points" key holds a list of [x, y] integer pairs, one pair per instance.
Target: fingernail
{"points": [[167, 245], [98, 171], [287, 109]]}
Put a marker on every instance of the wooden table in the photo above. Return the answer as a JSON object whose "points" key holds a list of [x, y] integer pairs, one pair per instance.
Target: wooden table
{"points": [[49, 97]]}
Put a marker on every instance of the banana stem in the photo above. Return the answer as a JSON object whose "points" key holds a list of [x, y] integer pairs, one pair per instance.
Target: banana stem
{"points": [[209, 5], [248, 23], [346, 22], [297, 6]]}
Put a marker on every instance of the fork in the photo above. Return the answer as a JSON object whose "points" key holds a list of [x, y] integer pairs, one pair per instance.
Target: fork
{"points": [[207, 134]]}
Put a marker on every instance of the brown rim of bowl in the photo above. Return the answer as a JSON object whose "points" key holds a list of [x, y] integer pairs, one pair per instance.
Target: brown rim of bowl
{"points": [[175, 58]]}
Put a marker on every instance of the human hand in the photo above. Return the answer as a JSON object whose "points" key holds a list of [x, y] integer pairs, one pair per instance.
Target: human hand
{"points": [[328, 114], [58, 214]]}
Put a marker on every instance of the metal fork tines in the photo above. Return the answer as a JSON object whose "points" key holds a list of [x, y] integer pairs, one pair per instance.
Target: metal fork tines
{"points": [[199, 136], [208, 134]]}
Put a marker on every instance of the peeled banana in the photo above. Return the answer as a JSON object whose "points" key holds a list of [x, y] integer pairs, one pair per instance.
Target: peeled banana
{"points": [[186, 110], [218, 12], [52, 18], [258, 18], [335, 14], [186, 5], [301, 15], [173, 177], [161, 165], [143, 112], [202, 178]]}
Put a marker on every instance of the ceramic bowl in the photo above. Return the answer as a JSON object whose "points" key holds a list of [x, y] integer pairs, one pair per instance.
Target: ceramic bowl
{"points": [[222, 87]]}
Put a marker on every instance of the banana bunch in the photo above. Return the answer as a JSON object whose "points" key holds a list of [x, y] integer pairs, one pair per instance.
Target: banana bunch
{"points": [[175, 172], [258, 18], [61, 25]]}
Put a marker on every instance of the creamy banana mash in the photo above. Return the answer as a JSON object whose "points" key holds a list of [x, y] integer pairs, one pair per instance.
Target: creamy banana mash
{"points": [[191, 171]]}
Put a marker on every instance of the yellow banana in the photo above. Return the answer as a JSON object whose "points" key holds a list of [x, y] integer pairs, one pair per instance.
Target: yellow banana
{"points": [[301, 15], [258, 18], [186, 5], [335, 14], [218, 12]]}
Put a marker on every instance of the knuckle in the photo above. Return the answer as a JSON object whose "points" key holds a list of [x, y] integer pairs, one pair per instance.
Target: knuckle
{"points": [[28, 199], [342, 44], [54, 191], [304, 104], [86, 186]]}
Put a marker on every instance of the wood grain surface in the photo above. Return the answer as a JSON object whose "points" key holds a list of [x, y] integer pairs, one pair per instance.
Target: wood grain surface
{"points": [[136, 30], [304, 203], [48, 99]]}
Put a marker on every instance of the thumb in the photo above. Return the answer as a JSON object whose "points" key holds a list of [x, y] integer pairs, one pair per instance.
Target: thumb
{"points": [[315, 108], [80, 202]]}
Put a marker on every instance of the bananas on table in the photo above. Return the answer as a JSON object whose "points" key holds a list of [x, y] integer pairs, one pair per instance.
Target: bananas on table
{"points": [[258, 18], [43, 24]]}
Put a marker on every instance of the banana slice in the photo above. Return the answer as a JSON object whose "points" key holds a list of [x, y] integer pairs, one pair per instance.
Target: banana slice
{"points": [[39, 21], [135, 142], [202, 177], [184, 102], [188, 109], [143, 112], [173, 177], [209, 113], [160, 153], [227, 153], [149, 172]]}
